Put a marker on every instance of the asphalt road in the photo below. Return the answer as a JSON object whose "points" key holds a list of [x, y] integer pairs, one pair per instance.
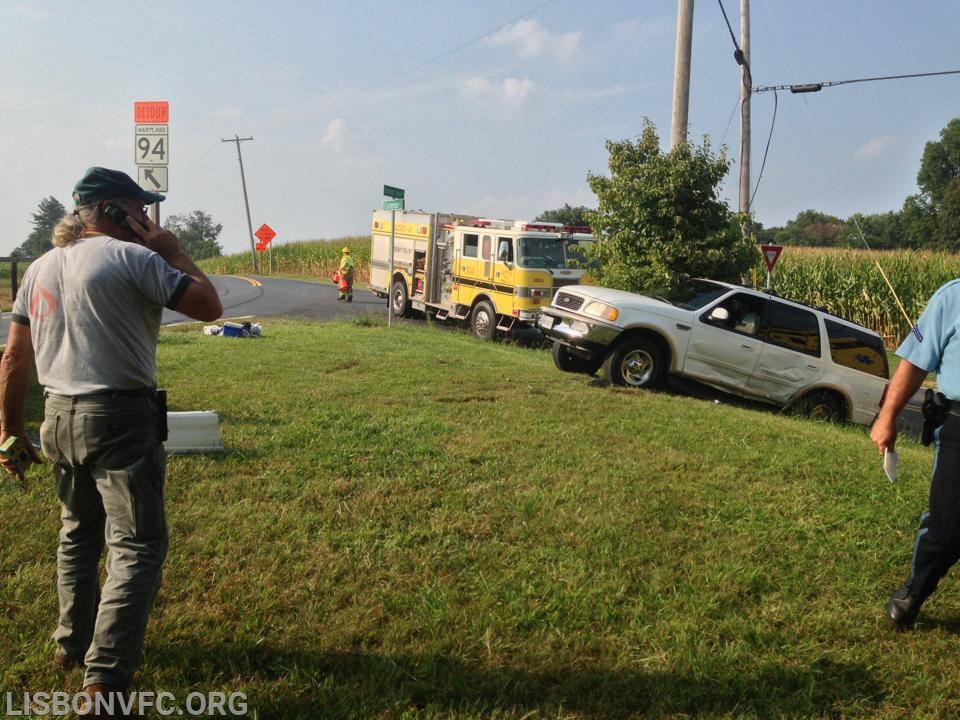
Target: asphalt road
{"points": [[255, 296]]}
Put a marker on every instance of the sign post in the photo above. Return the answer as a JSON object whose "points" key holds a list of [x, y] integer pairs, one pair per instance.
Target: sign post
{"points": [[397, 203], [771, 254], [151, 147]]}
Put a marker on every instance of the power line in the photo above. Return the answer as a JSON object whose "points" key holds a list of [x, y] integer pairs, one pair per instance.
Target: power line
{"points": [[818, 86], [737, 52], [766, 150]]}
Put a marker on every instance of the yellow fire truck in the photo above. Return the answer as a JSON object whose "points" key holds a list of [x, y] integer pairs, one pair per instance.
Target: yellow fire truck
{"points": [[497, 274]]}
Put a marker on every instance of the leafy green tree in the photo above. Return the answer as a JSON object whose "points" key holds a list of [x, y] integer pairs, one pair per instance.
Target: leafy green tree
{"points": [[49, 212], [660, 220], [810, 228], [940, 167], [931, 218], [197, 233], [882, 231], [574, 216], [919, 221]]}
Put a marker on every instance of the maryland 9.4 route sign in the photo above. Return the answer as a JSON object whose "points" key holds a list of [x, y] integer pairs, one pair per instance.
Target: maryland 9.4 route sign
{"points": [[151, 145]]}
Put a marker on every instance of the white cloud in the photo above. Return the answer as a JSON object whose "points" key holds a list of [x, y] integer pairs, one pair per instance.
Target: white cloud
{"points": [[531, 40], [516, 90], [335, 134], [875, 147], [512, 92]]}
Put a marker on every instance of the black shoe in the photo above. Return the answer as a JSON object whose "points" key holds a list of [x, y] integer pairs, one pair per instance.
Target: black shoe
{"points": [[903, 608], [350, 298]]}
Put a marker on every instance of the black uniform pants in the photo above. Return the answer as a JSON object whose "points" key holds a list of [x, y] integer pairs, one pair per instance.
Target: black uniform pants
{"points": [[937, 547]]}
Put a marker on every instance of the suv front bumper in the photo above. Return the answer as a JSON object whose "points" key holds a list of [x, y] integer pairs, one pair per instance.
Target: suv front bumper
{"points": [[586, 338]]}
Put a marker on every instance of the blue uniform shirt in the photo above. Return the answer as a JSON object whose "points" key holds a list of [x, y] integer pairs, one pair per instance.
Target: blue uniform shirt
{"points": [[934, 344]]}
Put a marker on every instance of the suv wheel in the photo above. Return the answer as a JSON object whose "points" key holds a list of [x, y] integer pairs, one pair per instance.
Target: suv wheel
{"points": [[823, 405], [568, 362], [635, 362]]}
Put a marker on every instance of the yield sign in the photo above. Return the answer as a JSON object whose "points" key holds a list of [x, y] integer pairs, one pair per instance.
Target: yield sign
{"points": [[770, 255], [265, 233]]}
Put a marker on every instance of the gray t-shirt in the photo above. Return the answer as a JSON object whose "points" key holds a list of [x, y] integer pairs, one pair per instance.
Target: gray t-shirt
{"points": [[94, 310]]}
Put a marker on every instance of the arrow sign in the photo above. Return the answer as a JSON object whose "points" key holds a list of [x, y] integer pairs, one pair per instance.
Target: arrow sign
{"points": [[153, 178], [266, 234], [770, 255]]}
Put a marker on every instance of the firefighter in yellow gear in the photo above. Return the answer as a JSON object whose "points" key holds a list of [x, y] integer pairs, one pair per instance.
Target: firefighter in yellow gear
{"points": [[345, 275]]}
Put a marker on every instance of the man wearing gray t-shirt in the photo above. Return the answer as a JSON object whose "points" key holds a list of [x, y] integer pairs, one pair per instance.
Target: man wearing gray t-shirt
{"points": [[88, 316]]}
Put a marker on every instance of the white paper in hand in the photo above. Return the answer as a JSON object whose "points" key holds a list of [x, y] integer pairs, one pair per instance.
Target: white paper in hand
{"points": [[890, 459]]}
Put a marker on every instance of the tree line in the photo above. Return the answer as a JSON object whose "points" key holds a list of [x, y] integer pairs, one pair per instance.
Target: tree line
{"points": [[197, 232]]}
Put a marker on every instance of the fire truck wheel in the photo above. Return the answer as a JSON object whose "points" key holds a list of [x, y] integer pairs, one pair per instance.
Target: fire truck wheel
{"points": [[568, 362], [398, 298], [483, 320]]}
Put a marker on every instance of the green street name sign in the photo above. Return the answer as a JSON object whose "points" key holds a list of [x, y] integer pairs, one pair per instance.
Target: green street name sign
{"points": [[393, 204], [391, 191]]}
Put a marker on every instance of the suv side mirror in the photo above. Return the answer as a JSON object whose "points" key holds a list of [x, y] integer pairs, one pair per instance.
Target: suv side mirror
{"points": [[719, 314]]}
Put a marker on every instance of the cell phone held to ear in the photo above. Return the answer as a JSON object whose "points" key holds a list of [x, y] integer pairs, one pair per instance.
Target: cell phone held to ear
{"points": [[119, 217]]}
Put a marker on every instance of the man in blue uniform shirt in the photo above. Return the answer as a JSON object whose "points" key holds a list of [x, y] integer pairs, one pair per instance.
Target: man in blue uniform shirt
{"points": [[932, 346]]}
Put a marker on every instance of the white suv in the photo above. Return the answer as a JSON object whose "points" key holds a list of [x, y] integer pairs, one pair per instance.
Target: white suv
{"points": [[742, 341]]}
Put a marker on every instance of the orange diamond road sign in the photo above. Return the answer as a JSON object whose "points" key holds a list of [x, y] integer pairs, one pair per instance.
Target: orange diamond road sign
{"points": [[153, 112], [770, 255], [265, 233]]}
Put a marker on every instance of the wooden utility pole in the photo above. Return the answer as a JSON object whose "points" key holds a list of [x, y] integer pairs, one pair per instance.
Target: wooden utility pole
{"points": [[681, 73], [253, 250], [745, 90]]}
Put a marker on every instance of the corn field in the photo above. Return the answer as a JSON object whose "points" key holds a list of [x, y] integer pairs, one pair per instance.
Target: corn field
{"points": [[848, 283], [307, 258]]}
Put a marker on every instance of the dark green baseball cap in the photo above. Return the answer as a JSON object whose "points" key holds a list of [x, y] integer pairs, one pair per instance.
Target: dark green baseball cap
{"points": [[99, 183]]}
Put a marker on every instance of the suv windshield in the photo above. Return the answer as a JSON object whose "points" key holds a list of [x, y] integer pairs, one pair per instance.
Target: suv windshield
{"points": [[695, 294], [541, 252]]}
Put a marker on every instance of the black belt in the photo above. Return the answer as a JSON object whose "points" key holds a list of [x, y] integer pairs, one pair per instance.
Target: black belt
{"points": [[135, 393]]}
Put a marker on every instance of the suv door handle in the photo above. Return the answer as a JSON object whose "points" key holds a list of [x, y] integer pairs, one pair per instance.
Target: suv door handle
{"points": [[746, 347]]}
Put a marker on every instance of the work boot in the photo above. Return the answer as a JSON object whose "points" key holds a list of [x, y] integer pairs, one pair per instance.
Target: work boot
{"points": [[903, 608], [63, 661], [89, 707]]}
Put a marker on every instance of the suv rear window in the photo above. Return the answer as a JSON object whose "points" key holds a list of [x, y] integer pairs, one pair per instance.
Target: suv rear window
{"points": [[793, 328], [856, 349]]}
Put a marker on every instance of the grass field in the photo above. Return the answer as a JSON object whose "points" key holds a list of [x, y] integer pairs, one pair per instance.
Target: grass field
{"points": [[394, 533]]}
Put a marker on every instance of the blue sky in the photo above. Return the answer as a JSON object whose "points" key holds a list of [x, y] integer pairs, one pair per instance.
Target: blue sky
{"points": [[496, 108]]}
